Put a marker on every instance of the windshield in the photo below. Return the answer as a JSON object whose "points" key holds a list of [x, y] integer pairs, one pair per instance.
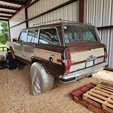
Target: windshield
{"points": [[79, 32]]}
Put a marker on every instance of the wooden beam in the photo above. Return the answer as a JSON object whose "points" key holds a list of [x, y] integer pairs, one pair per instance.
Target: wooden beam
{"points": [[7, 7], [26, 17], [105, 27], [32, 3], [2, 16], [4, 19], [9, 31], [81, 10], [6, 12], [13, 2], [28, 2]]}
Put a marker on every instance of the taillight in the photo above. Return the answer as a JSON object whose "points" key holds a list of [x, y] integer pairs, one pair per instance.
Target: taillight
{"points": [[67, 66]]}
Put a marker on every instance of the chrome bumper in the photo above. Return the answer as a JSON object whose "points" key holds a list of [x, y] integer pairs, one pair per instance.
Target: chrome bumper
{"points": [[81, 74]]}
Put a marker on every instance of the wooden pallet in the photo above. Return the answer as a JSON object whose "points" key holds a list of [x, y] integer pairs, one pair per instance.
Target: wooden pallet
{"points": [[100, 96]]}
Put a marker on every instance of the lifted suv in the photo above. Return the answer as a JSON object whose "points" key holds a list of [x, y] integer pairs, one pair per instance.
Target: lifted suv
{"points": [[66, 50]]}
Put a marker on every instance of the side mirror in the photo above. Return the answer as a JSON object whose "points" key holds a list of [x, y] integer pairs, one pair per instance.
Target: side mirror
{"points": [[15, 40]]}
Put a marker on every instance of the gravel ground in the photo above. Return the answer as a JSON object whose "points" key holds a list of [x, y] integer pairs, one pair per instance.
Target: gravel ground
{"points": [[15, 94]]}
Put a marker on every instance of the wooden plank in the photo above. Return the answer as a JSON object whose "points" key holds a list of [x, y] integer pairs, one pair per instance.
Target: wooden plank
{"points": [[99, 92], [103, 91], [107, 109], [95, 110], [107, 84], [105, 88], [110, 101], [108, 104], [97, 95], [92, 101], [111, 96], [93, 98]]}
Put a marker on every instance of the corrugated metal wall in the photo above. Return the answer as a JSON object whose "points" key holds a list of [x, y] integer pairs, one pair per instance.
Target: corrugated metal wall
{"points": [[20, 17], [17, 19], [15, 31], [69, 12], [100, 13], [42, 6]]}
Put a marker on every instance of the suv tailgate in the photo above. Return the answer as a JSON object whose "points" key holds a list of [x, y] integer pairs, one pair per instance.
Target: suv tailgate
{"points": [[84, 55]]}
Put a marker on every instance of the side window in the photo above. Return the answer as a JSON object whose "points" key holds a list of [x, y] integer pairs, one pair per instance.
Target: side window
{"points": [[48, 36], [23, 36], [32, 37]]}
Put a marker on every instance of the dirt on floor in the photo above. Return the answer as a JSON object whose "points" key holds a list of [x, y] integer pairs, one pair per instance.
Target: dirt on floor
{"points": [[15, 94]]}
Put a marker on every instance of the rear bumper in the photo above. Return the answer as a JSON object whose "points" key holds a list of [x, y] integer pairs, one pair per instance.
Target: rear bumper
{"points": [[82, 73]]}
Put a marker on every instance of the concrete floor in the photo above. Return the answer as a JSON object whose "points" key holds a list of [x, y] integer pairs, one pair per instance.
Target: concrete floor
{"points": [[15, 94]]}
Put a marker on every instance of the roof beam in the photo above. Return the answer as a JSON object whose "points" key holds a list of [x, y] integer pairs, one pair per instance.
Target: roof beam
{"points": [[4, 19], [35, 1], [6, 12], [81, 10], [7, 7], [28, 2], [14, 2], [3, 16]]}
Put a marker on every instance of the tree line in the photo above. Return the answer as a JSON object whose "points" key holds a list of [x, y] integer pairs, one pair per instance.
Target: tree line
{"points": [[3, 32]]}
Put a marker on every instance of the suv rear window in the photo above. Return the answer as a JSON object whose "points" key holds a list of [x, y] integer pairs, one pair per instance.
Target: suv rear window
{"points": [[48, 36], [76, 33]]}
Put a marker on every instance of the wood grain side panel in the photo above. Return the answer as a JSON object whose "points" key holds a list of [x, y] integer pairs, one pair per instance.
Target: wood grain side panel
{"points": [[48, 55]]}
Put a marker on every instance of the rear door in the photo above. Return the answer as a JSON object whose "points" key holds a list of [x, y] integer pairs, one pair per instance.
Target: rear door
{"points": [[29, 46], [48, 38]]}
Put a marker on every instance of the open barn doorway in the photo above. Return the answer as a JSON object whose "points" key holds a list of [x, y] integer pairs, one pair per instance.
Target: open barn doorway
{"points": [[3, 35]]}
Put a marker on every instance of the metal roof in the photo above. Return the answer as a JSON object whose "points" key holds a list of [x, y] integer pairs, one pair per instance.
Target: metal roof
{"points": [[8, 8]]}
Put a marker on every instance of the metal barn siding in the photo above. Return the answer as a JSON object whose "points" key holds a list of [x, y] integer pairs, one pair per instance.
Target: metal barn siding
{"points": [[15, 31], [69, 12], [18, 18], [42, 6], [100, 13], [112, 13], [107, 12], [107, 38], [93, 12]]}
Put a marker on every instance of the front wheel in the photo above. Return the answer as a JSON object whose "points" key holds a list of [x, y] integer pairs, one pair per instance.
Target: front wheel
{"points": [[41, 80]]}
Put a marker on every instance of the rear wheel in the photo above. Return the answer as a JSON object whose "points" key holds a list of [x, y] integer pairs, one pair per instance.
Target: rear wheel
{"points": [[11, 62], [42, 81]]}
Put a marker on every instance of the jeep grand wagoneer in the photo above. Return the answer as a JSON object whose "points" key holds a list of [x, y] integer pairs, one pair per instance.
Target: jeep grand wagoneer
{"points": [[67, 50]]}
